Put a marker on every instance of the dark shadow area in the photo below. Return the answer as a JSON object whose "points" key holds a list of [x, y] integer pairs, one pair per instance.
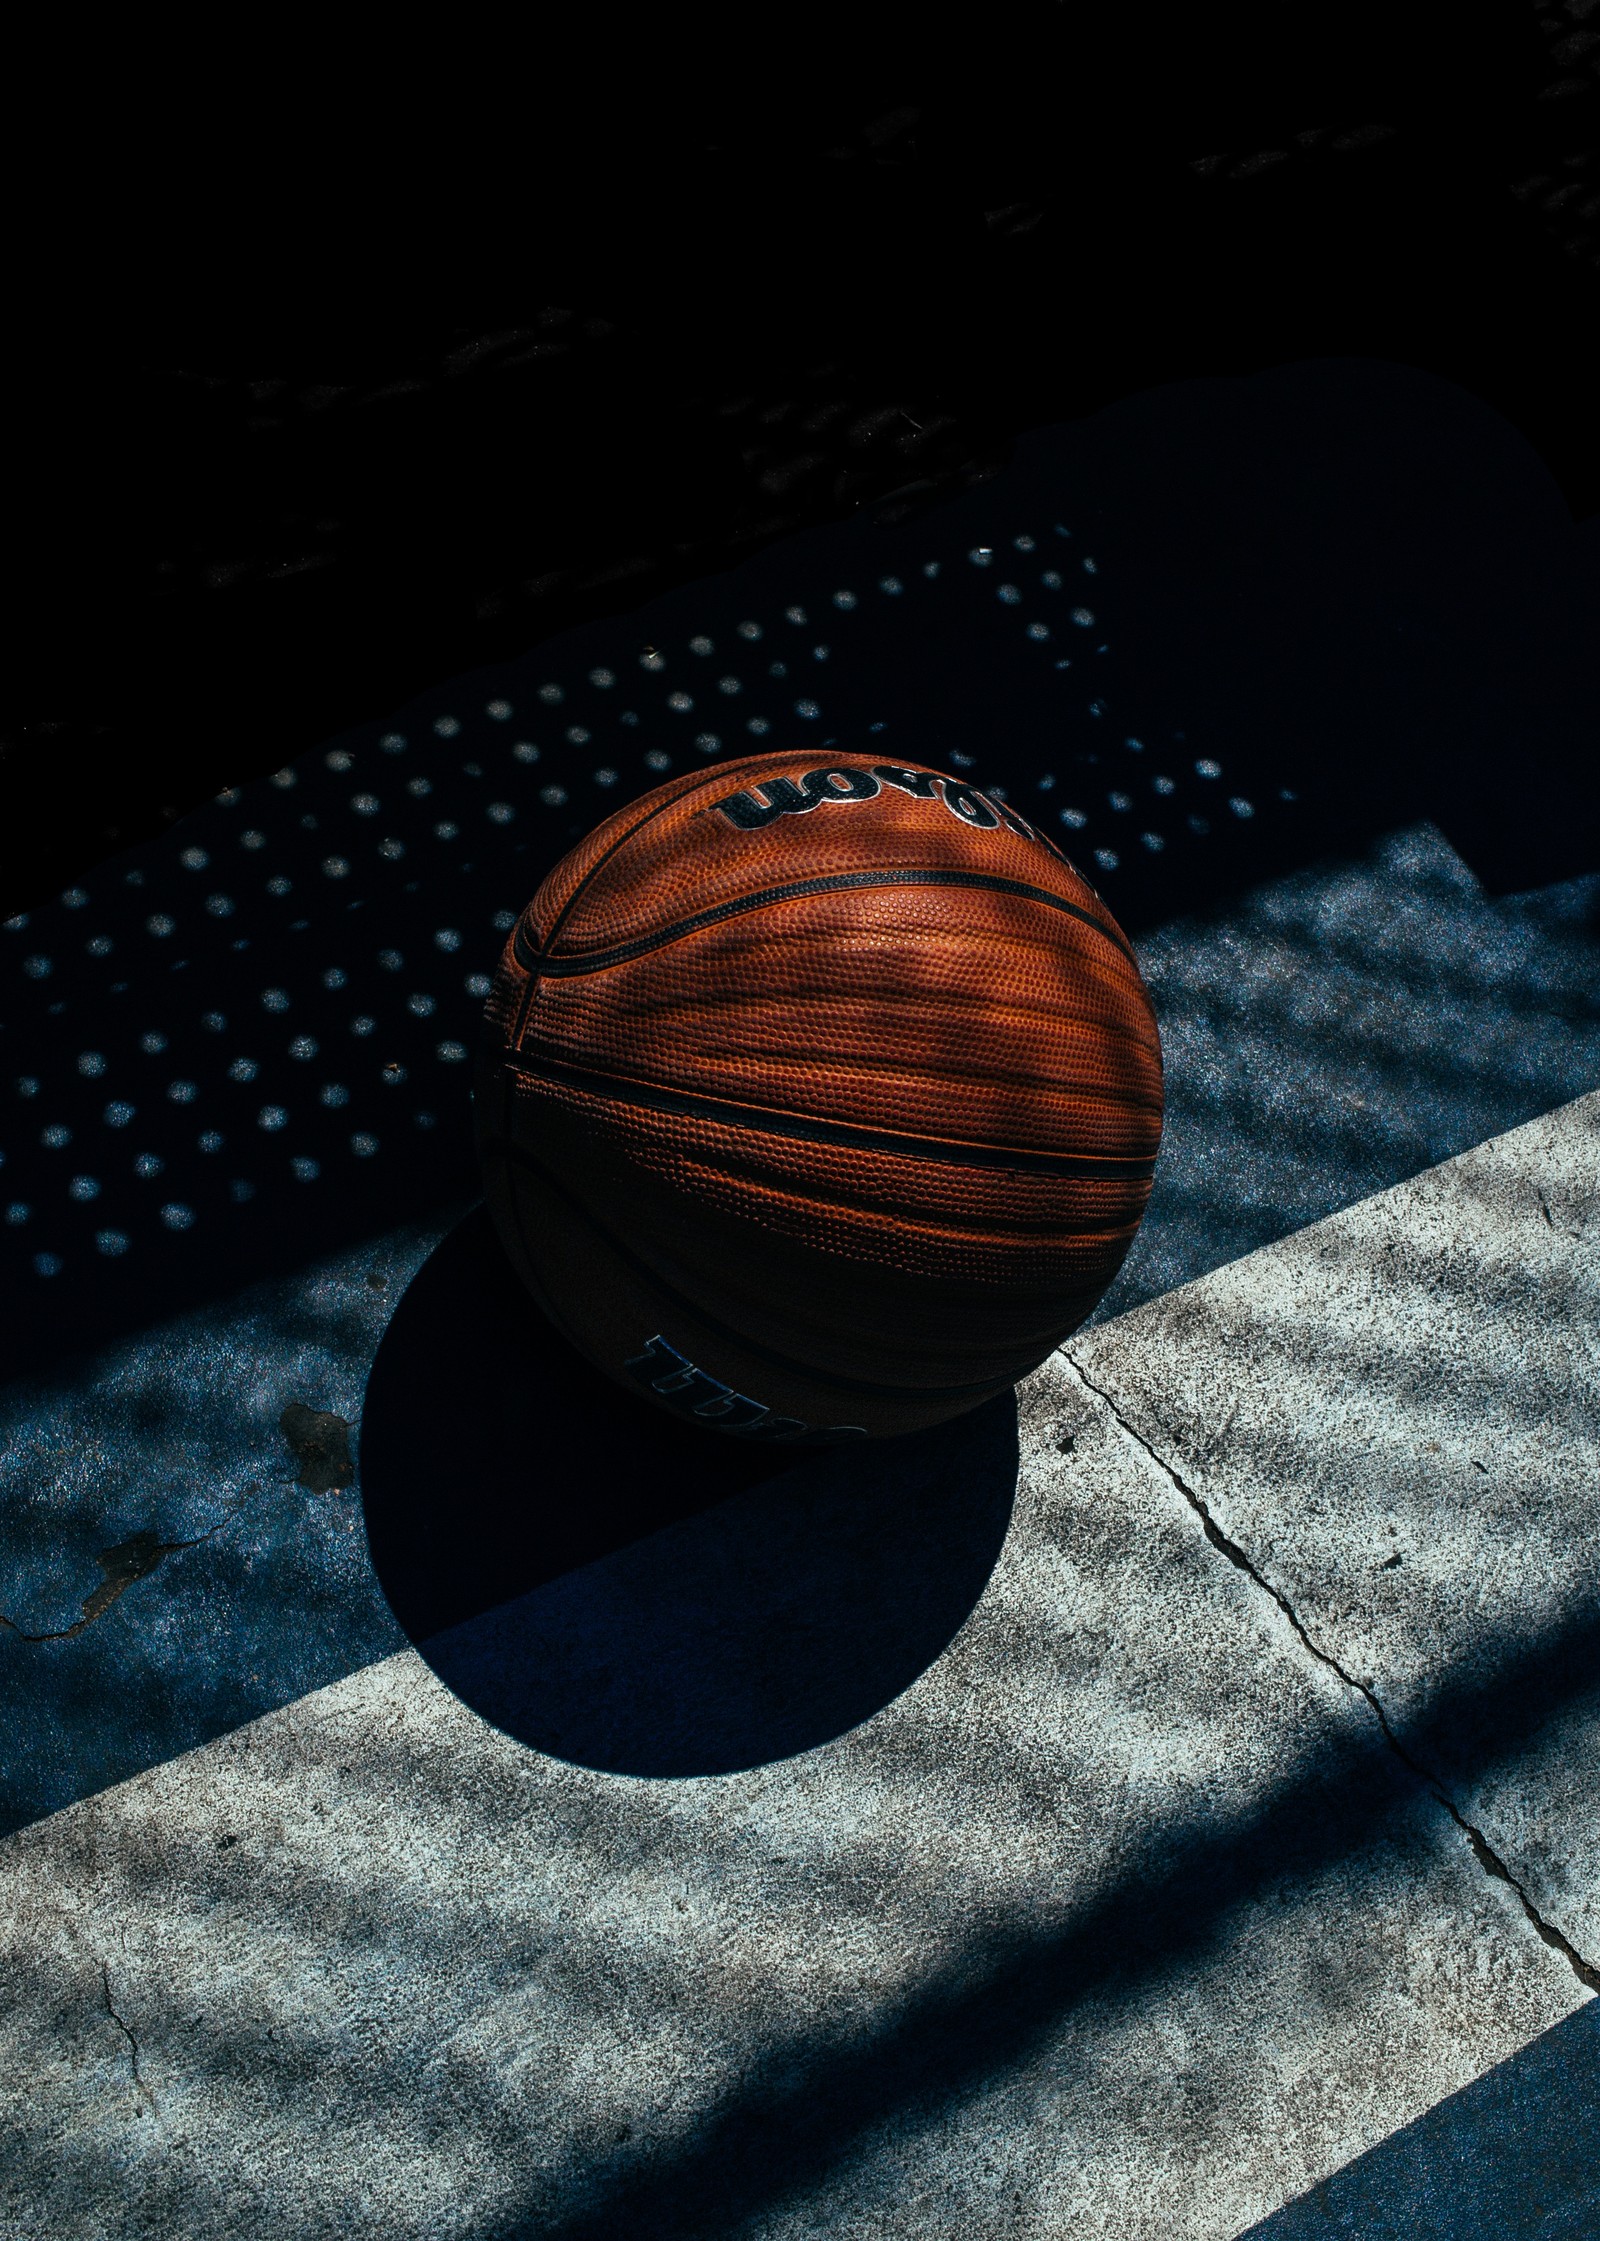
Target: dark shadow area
{"points": [[1217, 633], [307, 428], [1509, 2158], [495, 1458], [753, 1602]]}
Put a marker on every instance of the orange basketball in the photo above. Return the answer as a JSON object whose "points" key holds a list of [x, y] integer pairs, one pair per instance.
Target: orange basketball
{"points": [[817, 1099]]}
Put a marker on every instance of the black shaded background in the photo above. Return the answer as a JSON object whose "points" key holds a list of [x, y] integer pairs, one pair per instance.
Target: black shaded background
{"points": [[335, 372]]}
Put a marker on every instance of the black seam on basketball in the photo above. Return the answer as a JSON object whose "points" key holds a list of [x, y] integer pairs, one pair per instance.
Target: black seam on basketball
{"points": [[701, 779], [530, 993], [566, 968], [768, 1121], [509, 1148]]}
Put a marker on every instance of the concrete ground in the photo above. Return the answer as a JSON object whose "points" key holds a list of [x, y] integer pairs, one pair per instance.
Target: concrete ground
{"points": [[442, 1799], [1211, 1852]]}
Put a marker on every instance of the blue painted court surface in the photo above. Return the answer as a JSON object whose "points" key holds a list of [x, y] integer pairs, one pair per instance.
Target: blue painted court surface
{"points": [[1295, 669]]}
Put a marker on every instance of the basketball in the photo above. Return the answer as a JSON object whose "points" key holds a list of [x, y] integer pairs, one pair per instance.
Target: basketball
{"points": [[817, 1100]]}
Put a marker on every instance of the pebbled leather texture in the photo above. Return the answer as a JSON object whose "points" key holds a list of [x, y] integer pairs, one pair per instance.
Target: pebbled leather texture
{"points": [[836, 1077]]}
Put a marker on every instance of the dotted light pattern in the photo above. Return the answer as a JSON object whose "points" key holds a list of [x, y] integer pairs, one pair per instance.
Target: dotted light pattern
{"points": [[339, 921]]}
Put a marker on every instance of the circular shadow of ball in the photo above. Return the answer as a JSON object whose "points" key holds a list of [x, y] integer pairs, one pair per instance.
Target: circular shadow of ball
{"points": [[634, 1594]]}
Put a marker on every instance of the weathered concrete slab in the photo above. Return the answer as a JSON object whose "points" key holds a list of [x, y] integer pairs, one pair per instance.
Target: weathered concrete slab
{"points": [[1329, 1034], [1395, 1415], [1122, 1919], [169, 1565], [1509, 2158]]}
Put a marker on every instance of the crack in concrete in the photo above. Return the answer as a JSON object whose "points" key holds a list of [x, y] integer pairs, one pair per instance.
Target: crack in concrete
{"points": [[123, 1563], [1483, 1851], [140, 2087]]}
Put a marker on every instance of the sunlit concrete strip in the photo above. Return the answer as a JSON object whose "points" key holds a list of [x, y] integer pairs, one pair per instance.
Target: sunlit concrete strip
{"points": [[1123, 1919], [1395, 1416]]}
